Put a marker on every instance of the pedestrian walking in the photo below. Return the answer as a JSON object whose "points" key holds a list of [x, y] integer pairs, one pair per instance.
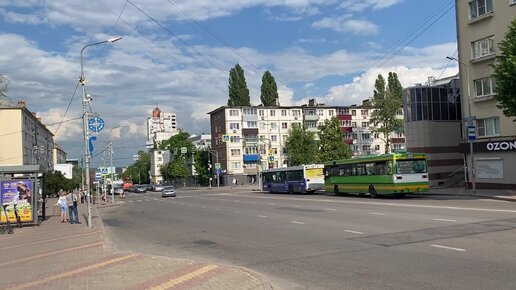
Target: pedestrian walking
{"points": [[234, 182], [63, 205], [71, 200]]}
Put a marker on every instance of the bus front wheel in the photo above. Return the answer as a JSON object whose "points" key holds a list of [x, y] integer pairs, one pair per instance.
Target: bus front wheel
{"points": [[336, 189], [372, 192]]}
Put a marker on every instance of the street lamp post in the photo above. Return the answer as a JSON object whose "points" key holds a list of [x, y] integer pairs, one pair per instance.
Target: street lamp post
{"points": [[85, 101], [470, 121]]}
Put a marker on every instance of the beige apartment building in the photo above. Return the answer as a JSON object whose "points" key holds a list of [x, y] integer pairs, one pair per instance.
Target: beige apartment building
{"points": [[481, 25], [24, 140]]}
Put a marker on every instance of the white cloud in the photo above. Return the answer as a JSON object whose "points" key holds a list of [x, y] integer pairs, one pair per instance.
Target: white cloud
{"points": [[343, 24], [360, 5]]}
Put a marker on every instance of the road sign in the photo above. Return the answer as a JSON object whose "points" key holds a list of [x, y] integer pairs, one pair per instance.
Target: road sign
{"points": [[217, 165], [103, 170], [96, 124], [218, 171], [472, 133], [271, 158], [184, 150], [225, 138], [98, 176], [90, 144], [470, 119], [271, 151]]}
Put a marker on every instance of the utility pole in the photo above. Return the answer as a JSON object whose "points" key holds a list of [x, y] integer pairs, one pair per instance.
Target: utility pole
{"points": [[112, 173]]}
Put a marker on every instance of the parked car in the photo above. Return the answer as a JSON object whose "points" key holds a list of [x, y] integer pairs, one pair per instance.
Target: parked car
{"points": [[158, 187], [168, 190], [140, 188], [118, 190]]}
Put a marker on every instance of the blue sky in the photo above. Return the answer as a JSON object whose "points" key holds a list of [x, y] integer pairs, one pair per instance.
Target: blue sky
{"points": [[177, 54]]}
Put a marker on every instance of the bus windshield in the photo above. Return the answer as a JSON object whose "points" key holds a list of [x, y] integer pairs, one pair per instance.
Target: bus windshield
{"points": [[411, 166]]}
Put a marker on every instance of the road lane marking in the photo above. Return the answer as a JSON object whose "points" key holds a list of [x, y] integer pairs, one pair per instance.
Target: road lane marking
{"points": [[48, 279], [61, 251], [330, 208], [154, 198], [448, 248], [444, 220], [139, 200], [377, 213], [272, 203], [182, 279], [354, 232], [263, 216], [203, 207], [236, 212], [217, 209], [296, 206], [296, 222]]}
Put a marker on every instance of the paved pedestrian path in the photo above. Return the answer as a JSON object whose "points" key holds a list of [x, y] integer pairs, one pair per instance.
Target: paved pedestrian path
{"points": [[54, 255]]}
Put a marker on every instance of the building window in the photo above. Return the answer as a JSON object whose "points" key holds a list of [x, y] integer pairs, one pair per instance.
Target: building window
{"points": [[252, 124], [365, 124], [365, 136], [296, 113], [353, 112], [484, 87], [261, 113], [249, 111], [354, 148], [283, 112], [377, 147], [345, 123], [354, 124], [364, 112], [398, 146], [235, 165], [310, 112], [331, 112], [343, 111], [284, 125], [480, 7], [376, 135], [399, 134], [488, 127], [235, 152], [354, 135], [483, 47], [234, 126], [273, 113], [366, 147], [233, 113], [251, 150], [347, 135], [311, 124], [274, 138], [234, 139], [274, 126], [320, 112]]}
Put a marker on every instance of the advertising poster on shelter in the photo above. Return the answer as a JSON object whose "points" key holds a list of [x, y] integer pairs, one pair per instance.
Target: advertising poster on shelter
{"points": [[16, 193]]}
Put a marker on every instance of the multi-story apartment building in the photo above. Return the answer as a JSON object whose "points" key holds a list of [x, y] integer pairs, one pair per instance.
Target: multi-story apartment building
{"points": [[161, 126], [481, 25], [25, 140], [250, 139], [58, 155]]}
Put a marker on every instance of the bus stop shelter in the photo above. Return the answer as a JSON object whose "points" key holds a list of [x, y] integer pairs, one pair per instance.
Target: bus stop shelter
{"points": [[22, 186]]}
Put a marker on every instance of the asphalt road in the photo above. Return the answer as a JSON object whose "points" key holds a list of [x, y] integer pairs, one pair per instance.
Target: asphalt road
{"points": [[329, 242]]}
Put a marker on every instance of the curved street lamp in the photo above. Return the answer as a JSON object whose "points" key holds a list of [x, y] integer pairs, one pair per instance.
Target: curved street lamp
{"points": [[85, 100]]}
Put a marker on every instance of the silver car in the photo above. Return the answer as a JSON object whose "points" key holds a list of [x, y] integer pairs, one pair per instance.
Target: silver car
{"points": [[158, 187], [168, 190]]}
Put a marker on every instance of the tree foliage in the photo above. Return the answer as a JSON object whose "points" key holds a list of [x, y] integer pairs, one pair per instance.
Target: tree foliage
{"points": [[138, 172], [177, 168], [269, 90], [238, 91], [55, 181], [301, 146], [201, 161], [505, 72], [4, 82], [331, 145], [387, 101]]}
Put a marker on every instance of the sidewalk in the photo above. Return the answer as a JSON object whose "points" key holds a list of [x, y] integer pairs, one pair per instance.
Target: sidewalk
{"points": [[54, 255], [507, 195]]}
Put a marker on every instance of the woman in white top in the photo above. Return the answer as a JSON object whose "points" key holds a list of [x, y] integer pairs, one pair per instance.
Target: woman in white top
{"points": [[64, 206]]}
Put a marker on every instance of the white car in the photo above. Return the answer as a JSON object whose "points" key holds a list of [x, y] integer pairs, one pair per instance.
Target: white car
{"points": [[168, 190]]}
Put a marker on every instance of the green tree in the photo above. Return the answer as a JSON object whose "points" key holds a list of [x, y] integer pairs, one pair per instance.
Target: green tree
{"points": [[387, 101], [175, 169], [331, 143], [201, 161], [176, 142], [269, 89], [138, 172], [55, 181], [4, 82], [301, 146], [504, 72], [238, 91]]}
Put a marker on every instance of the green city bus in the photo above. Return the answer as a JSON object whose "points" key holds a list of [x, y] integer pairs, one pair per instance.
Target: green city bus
{"points": [[387, 174]]}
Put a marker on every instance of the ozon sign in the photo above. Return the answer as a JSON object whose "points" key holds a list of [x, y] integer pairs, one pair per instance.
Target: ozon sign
{"points": [[501, 146]]}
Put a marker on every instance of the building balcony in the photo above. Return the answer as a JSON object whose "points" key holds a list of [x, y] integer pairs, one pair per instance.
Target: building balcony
{"points": [[311, 117], [348, 141]]}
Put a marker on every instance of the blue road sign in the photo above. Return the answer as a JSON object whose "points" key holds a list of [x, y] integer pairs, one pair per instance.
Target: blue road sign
{"points": [[90, 143], [96, 124], [218, 171], [472, 133]]}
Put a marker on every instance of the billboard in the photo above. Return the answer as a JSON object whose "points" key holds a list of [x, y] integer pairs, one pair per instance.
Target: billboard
{"points": [[19, 193]]}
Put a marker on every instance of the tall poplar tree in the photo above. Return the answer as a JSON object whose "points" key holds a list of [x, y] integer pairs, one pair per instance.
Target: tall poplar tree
{"points": [[505, 72], [331, 143], [238, 91], [387, 100], [269, 90]]}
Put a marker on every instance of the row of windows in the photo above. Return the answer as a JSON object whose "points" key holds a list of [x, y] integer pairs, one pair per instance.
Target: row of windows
{"points": [[488, 127], [282, 176], [370, 168]]}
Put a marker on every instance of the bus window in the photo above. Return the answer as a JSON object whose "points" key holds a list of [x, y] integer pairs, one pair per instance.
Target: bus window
{"points": [[411, 166]]}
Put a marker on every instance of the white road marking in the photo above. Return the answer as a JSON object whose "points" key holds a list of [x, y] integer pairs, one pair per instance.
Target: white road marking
{"points": [[330, 208], [139, 200], [296, 206], [217, 209], [203, 207], [377, 213], [296, 222], [155, 198], [130, 201], [354, 232], [262, 216], [271, 203], [444, 220], [448, 248], [236, 212]]}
